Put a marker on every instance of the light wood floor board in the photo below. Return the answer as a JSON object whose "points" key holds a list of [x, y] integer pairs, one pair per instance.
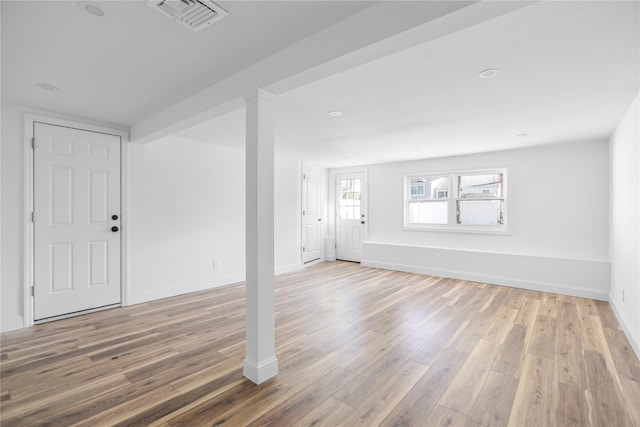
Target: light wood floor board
{"points": [[355, 346]]}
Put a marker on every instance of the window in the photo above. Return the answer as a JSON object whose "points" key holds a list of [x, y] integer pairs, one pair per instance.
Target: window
{"points": [[428, 205], [478, 201]]}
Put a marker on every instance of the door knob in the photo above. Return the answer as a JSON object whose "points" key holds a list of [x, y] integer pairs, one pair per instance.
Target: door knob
{"points": [[114, 228], [319, 219], [361, 222], [114, 217]]}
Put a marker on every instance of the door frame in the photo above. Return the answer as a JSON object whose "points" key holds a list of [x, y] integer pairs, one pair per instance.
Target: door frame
{"points": [[28, 192], [333, 194]]}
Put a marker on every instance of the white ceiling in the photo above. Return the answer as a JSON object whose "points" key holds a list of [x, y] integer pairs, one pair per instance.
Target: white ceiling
{"points": [[133, 62], [569, 70]]}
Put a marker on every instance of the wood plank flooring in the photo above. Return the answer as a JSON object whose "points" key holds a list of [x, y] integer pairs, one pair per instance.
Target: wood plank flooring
{"points": [[356, 346]]}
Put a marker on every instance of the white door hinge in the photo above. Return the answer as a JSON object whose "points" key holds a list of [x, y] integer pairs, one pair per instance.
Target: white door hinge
{"points": [[33, 291], [33, 143], [33, 216]]}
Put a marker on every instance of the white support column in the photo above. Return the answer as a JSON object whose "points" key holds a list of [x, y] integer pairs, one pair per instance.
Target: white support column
{"points": [[260, 362]]}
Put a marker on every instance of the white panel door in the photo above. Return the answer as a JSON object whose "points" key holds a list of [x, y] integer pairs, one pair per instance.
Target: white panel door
{"points": [[311, 214], [76, 220], [351, 207]]}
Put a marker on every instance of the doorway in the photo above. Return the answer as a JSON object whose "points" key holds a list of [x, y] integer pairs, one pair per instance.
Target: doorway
{"points": [[76, 220], [351, 215], [312, 207]]}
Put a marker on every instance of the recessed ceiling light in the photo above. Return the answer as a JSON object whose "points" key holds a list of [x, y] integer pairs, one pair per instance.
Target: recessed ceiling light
{"points": [[487, 74], [91, 8], [46, 86], [335, 113], [523, 134]]}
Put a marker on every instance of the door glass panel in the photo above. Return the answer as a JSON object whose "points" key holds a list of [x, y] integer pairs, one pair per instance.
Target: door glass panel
{"points": [[350, 198]]}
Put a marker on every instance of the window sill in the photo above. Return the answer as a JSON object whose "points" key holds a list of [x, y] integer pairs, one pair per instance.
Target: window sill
{"points": [[470, 229]]}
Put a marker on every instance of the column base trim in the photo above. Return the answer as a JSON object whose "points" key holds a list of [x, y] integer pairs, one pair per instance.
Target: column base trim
{"points": [[260, 372]]}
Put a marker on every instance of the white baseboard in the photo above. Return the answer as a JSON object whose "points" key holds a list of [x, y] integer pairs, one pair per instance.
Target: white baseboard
{"points": [[200, 286], [11, 323], [288, 268], [296, 267], [493, 280], [635, 345], [580, 278], [182, 289], [260, 372], [17, 322]]}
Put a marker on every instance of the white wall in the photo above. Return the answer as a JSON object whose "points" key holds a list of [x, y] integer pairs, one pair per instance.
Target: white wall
{"points": [[573, 178], [186, 202], [625, 223], [287, 223], [12, 214], [187, 209], [570, 177]]}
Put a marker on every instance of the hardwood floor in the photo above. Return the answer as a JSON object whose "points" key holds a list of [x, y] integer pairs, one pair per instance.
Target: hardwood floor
{"points": [[356, 346]]}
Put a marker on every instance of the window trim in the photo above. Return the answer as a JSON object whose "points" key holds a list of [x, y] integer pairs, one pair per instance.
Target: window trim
{"points": [[452, 225]]}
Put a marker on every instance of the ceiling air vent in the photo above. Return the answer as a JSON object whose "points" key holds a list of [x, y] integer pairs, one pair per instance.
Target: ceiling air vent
{"points": [[193, 14]]}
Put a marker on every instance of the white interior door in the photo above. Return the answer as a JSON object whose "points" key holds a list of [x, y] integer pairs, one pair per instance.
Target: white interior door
{"points": [[351, 220], [311, 213], [76, 220]]}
